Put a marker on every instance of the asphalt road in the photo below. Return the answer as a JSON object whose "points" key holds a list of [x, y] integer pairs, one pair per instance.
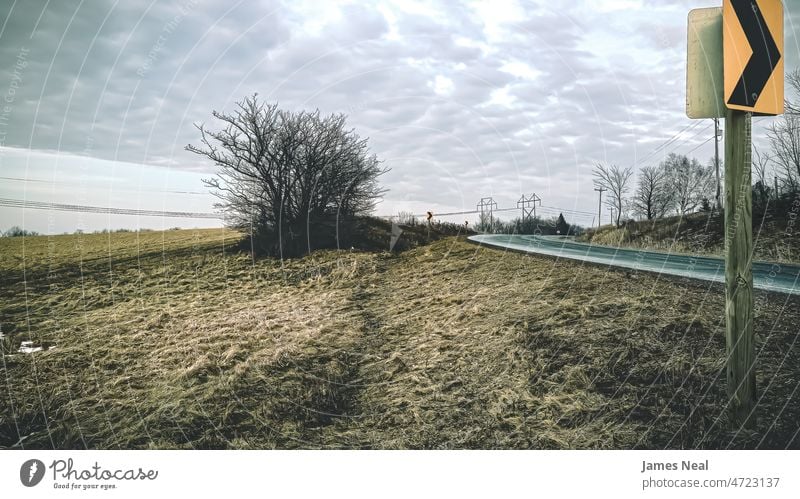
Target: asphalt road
{"points": [[779, 277]]}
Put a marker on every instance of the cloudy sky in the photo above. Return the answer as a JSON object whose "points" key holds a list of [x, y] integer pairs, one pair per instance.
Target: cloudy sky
{"points": [[460, 100]]}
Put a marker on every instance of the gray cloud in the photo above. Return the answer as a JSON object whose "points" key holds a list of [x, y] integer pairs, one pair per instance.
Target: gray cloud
{"points": [[459, 103]]}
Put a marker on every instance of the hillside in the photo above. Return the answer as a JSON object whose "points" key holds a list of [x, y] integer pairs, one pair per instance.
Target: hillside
{"points": [[776, 235], [177, 340]]}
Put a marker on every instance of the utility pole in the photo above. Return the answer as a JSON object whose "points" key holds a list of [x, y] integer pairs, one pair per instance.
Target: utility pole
{"points": [[777, 194], [611, 209], [717, 135], [738, 267], [600, 206]]}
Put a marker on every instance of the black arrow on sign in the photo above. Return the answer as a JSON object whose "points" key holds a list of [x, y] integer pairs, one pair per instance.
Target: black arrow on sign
{"points": [[765, 54]]}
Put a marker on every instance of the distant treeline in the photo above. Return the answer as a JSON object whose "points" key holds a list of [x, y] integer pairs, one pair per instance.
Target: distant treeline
{"points": [[535, 225], [16, 231]]}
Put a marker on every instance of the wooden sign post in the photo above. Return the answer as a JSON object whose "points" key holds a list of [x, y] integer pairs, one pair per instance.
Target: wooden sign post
{"points": [[751, 83], [752, 49], [739, 336]]}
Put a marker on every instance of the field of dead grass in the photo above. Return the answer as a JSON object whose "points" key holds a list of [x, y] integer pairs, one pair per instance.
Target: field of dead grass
{"points": [[776, 237], [178, 340]]}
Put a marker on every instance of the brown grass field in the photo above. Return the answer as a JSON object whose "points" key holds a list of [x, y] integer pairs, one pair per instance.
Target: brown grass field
{"points": [[776, 236], [177, 339]]}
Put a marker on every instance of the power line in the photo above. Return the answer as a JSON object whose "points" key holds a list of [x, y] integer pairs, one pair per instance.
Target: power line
{"points": [[36, 180], [680, 144], [675, 145], [570, 215], [675, 137], [701, 132], [39, 205], [666, 142], [567, 210], [701, 145], [549, 209], [468, 212]]}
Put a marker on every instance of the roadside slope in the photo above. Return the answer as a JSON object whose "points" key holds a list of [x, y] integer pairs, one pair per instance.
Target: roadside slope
{"points": [[777, 277], [776, 235], [485, 348]]}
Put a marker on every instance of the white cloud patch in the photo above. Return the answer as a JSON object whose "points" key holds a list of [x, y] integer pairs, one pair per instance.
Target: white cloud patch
{"points": [[520, 70], [617, 5], [501, 97], [442, 85]]}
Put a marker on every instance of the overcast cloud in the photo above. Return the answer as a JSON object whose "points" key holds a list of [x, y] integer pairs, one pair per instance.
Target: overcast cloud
{"points": [[461, 100]]}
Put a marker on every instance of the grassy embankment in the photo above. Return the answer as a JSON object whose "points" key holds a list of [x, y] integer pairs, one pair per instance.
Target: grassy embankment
{"points": [[776, 236], [175, 340]]}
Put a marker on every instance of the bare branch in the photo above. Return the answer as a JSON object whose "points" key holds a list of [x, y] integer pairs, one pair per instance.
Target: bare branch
{"points": [[286, 172]]}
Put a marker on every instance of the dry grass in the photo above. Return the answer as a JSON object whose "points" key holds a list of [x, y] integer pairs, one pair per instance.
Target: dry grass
{"points": [[184, 345], [776, 236]]}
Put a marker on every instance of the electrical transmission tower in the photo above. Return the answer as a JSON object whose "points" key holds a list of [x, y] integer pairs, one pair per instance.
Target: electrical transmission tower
{"points": [[487, 205], [528, 206]]}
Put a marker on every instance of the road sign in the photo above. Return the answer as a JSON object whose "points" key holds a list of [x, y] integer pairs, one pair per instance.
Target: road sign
{"points": [[430, 215], [752, 48], [704, 86]]}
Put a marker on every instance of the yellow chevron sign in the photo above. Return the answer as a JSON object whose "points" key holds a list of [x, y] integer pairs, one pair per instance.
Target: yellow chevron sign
{"points": [[752, 48]]}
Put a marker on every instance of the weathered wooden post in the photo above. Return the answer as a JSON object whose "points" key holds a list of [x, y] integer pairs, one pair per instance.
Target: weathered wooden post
{"points": [[734, 68], [739, 269]]}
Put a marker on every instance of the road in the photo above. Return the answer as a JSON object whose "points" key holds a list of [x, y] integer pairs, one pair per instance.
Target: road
{"points": [[779, 277]]}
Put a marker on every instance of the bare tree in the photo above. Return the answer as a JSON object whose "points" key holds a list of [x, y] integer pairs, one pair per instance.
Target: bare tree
{"points": [[617, 181], [784, 138], [688, 181], [793, 79], [717, 171], [652, 198], [295, 179], [761, 161]]}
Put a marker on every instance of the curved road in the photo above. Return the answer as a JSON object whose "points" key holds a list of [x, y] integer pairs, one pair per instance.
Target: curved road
{"points": [[779, 277]]}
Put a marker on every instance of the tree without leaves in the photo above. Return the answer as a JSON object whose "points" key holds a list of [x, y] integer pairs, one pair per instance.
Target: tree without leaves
{"points": [[297, 180], [489, 223], [17, 231], [761, 189], [616, 180], [652, 197], [784, 138], [689, 182], [718, 181], [718, 171], [793, 79], [665, 199]]}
